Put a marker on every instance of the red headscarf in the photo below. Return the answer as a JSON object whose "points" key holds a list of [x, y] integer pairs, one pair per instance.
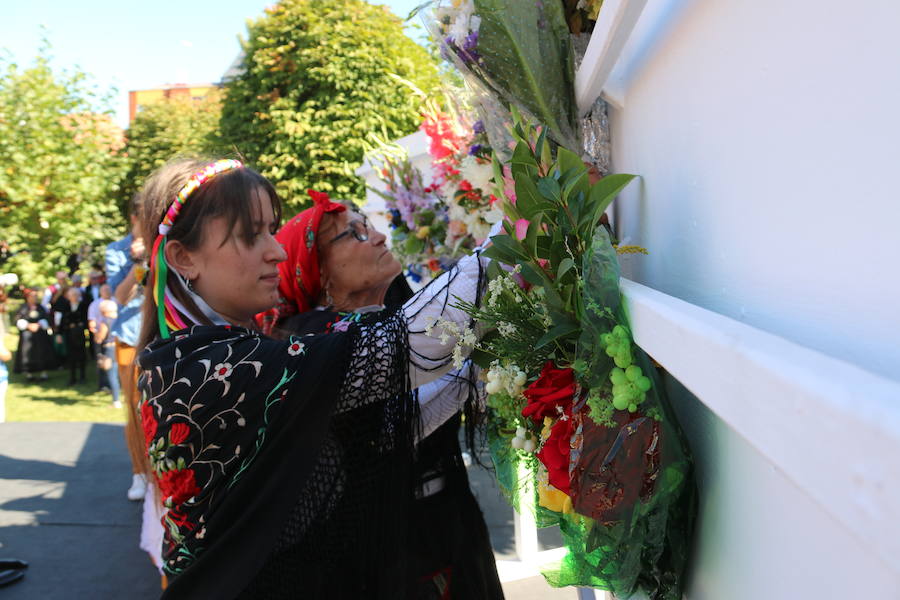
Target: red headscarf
{"points": [[300, 285]]}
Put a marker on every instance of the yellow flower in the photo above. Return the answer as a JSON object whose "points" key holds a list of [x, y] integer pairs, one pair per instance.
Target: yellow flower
{"points": [[554, 499], [423, 232]]}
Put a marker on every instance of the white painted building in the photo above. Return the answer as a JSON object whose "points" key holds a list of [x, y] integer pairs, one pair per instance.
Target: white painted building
{"points": [[766, 137]]}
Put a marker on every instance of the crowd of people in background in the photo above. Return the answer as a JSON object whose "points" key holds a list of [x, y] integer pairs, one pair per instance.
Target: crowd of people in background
{"points": [[68, 325]]}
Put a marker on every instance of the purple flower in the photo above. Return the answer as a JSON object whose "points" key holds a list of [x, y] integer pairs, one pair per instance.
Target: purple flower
{"points": [[469, 53], [475, 149], [478, 127]]}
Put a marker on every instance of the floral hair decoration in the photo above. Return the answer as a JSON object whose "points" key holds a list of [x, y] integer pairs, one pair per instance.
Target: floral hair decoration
{"points": [[171, 314], [301, 283]]}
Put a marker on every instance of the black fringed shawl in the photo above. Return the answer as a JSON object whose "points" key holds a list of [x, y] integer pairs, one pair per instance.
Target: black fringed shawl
{"points": [[285, 465]]}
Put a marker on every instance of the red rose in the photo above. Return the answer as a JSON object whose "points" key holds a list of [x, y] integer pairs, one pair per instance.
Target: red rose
{"points": [[178, 433], [554, 388], [555, 454], [179, 485], [148, 422]]}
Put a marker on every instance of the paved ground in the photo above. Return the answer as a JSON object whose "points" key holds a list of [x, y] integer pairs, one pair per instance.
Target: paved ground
{"points": [[63, 509]]}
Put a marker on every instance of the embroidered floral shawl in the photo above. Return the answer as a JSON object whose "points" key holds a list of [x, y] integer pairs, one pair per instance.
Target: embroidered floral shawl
{"points": [[276, 464]]}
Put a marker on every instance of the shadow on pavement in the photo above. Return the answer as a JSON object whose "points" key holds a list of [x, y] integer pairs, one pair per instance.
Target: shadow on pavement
{"points": [[63, 509]]}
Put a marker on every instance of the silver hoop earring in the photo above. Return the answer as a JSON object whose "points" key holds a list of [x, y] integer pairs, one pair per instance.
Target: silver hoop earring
{"points": [[190, 285], [329, 300]]}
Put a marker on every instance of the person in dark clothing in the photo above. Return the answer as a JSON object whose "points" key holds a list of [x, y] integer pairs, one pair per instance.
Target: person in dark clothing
{"points": [[35, 353], [449, 554], [71, 333]]}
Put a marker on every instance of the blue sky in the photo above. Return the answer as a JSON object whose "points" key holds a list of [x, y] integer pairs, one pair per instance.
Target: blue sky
{"points": [[134, 45]]}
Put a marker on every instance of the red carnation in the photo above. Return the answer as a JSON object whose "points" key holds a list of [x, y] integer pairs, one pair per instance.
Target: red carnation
{"points": [[178, 433], [551, 395], [178, 485], [465, 186], [148, 422]]}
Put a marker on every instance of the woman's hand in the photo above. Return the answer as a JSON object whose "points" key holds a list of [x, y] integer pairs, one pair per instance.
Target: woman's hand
{"points": [[33, 327]]}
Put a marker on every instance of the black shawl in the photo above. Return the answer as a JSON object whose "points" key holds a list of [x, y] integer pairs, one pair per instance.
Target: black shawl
{"points": [[286, 465]]}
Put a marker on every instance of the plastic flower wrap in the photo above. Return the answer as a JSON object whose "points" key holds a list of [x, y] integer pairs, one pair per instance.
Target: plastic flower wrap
{"points": [[419, 222], [520, 51], [572, 400]]}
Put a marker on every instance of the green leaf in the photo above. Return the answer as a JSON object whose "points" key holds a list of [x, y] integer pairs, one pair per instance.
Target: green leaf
{"points": [[604, 192], [558, 331], [569, 161], [511, 245], [528, 200], [549, 189], [566, 264]]}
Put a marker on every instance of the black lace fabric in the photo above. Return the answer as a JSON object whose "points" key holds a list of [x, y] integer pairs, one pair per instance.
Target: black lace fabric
{"points": [[344, 535]]}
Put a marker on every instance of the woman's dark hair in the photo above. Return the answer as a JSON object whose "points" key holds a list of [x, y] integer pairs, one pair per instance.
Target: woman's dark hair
{"points": [[229, 194]]}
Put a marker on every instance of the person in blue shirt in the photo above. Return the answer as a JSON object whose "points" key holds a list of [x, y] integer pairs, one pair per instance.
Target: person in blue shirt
{"points": [[125, 267]]}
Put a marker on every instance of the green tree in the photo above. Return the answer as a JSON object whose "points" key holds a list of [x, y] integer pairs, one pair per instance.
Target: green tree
{"points": [[319, 77], [165, 129], [60, 163]]}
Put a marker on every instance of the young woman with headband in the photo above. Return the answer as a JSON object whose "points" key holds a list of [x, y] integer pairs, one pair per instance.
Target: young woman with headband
{"points": [[286, 466]]}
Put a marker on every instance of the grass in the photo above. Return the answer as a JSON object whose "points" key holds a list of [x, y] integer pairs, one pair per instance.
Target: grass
{"points": [[54, 400]]}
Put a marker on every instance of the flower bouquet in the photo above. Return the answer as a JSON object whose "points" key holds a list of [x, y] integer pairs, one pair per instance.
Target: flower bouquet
{"points": [[419, 222], [518, 50], [461, 156], [572, 401]]}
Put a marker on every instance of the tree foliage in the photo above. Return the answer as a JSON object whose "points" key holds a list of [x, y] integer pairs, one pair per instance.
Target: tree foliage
{"points": [[165, 129], [60, 163], [321, 76]]}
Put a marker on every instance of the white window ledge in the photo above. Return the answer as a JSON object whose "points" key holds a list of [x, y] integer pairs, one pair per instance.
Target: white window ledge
{"points": [[830, 426]]}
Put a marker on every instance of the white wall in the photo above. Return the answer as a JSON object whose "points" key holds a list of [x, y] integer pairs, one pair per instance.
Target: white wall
{"points": [[767, 134]]}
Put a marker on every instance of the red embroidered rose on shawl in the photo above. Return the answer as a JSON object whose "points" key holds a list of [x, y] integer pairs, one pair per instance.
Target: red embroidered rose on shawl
{"points": [[179, 519], [148, 423], [178, 485], [178, 433]]}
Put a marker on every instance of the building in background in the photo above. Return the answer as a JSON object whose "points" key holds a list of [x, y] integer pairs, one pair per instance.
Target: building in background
{"points": [[139, 98]]}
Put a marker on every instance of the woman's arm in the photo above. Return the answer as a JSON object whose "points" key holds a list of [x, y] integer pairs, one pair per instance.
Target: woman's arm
{"points": [[435, 325], [442, 398]]}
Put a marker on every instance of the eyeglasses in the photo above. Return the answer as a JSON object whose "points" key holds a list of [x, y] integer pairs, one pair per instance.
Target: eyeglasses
{"points": [[358, 228]]}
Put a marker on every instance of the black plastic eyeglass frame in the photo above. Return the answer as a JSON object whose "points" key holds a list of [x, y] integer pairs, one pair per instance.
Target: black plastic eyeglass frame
{"points": [[351, 230]]}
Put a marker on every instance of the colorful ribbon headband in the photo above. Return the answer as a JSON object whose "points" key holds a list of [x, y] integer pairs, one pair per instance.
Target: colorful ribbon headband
{"points": [[168, 313]]}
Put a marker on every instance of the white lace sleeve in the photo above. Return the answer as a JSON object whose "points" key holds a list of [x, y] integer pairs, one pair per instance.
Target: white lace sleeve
{"points": [[442, 398], [380, 344], [430, 346]]}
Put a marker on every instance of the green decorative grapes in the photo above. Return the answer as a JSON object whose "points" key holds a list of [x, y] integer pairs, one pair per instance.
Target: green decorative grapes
{"points": [[629, 384]]}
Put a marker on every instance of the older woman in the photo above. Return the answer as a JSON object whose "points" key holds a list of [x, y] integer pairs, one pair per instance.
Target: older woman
{"points": [[286, 466], [344, 277], [35, 353]]}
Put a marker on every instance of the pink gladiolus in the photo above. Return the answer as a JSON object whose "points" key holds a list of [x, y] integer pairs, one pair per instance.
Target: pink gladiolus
{"points": [[521, 229]]}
